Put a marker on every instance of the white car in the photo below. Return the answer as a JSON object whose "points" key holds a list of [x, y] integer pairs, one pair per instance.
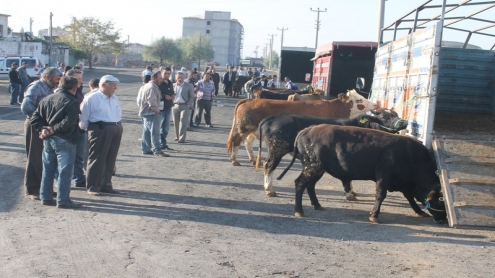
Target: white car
{"points": [[33, 66]]}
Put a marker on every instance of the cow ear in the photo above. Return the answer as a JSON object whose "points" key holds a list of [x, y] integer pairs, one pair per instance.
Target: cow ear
{"points": [[430, 195], [343, 97]]}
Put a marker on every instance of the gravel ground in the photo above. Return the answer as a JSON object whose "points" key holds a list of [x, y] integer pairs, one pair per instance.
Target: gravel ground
{"points": [[195, 215]]}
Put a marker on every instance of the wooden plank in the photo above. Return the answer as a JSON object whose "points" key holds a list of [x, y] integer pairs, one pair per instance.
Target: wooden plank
{"points": [[447, 194]]}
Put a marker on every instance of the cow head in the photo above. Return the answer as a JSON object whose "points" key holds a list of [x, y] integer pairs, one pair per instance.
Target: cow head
{"points": [[436, 206], [391, 121], [359, 104]]}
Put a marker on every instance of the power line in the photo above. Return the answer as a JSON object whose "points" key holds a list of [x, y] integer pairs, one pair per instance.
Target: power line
{"points": [[317, 22]]}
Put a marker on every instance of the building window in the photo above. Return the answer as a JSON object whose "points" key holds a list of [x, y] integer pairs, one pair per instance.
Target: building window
{"points": [[208, 22], [207, 31]]}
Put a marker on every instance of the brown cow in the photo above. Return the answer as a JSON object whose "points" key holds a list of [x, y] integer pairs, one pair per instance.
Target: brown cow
{"points": [[248, 113]]}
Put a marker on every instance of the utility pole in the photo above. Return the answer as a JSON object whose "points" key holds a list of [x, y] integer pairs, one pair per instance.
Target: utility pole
{"points": [[280, 57], [31, 26], [271, 50], [256, 51], [264, 50], [128, 44], [317, 22], [51, 40], [381, 16]]}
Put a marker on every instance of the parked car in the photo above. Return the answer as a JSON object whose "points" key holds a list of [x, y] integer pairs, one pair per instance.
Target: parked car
{"points": [[212, 63], [33, 65]]}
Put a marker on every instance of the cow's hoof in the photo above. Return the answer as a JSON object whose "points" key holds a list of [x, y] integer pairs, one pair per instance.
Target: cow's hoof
{"points": [[422, 214], [318, 208], [253, 162], [271, 194], [374, 219], [350, 197], [354, 193], [235, 163], [299, 214]]}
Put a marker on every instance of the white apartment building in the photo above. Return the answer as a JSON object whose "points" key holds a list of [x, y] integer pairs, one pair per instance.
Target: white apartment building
{"points": [[226, 34]]}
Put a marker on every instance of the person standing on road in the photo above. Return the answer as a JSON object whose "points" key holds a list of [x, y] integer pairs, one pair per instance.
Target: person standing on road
{"points": [[101, 114], [216, 79], [228, 81], [183, 103], [192, 79], [172, 74], [147, 71], [273, 83], [167, 92], [56, 121], [242, 71], [24, 79], [35, 92], [249, 85], [206, 91], [79, 177], [15, 84], [149, 110]]}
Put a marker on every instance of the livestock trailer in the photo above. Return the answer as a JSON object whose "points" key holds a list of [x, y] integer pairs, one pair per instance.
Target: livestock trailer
{"points": [[448, 97], [295, 62], [337, 65]]}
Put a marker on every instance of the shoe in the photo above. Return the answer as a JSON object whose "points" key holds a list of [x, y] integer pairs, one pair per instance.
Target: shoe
{"points": [[210, 126], [70, 205], [162, 154], [148, 152], [189, 129], [93, 193], [110, 191], [50, 202], [176, 139], [81, 184], [182, 141], [33, 197], [167, 148]]}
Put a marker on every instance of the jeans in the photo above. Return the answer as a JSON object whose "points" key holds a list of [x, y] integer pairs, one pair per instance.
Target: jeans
{"points": [[151, 133], [165, 126], [25, 84], [81, 158], [203, 105], [14, 89], [58, 154]]}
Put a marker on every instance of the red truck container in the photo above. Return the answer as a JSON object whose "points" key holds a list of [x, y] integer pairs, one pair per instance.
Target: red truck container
{"points": [[337, 65]]}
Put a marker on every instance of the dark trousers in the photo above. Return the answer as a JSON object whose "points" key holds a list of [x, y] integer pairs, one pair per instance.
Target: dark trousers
{"points": [[191, 119], [216, 89], [206, 106], [104, 142], [228, 89], [34, 163], [14, 89]]}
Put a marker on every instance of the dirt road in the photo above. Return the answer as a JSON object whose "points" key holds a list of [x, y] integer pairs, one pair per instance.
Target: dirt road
{"points": [[195, 215]]}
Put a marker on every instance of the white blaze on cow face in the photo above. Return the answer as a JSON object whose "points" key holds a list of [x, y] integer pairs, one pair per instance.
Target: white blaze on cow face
{"points": [[361, 105]]}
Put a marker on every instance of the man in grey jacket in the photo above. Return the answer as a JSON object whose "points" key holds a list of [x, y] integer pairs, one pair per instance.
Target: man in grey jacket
{"points": [[148, 101], [183, 103]]}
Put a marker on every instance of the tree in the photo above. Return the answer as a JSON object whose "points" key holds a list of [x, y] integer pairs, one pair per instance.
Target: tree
{"points": [[196, 48], [275, 59], [162, 49], [92, 36]]}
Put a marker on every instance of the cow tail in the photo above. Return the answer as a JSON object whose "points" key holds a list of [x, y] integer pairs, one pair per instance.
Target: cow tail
{"points": [[258, 159], [292, 161], [233, 133]]}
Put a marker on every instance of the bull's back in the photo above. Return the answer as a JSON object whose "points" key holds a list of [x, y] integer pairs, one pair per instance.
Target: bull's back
{"points": [[251, 113]]}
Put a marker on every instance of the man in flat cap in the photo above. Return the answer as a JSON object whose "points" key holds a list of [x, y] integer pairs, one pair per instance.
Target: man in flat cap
{"points": [[100, 116]]}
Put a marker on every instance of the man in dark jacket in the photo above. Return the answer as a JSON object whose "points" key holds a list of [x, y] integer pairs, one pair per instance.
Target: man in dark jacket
{"points": [[15, 84], [167, 91], [228, 81], [56, 121]]}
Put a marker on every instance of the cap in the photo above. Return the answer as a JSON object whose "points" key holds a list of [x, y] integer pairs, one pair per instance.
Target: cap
{"points": [[109, 79]]}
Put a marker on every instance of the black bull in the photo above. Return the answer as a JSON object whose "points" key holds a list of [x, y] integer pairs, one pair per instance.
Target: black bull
{"points": [[280, 131], [238, 84], [394, 162]]}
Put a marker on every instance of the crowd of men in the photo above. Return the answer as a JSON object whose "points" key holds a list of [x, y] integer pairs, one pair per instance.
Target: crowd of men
{"points": [[75, 137]]}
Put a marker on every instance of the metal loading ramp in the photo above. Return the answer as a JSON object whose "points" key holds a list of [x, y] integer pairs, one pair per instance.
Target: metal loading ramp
{"points": [[467, 175]]}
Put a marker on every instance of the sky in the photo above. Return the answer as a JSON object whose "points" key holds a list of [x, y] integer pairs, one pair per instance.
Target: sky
{"points": [[146, 20]]}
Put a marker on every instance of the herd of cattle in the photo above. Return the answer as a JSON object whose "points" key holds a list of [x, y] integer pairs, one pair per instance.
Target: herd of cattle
{"points": [[338, 137]]}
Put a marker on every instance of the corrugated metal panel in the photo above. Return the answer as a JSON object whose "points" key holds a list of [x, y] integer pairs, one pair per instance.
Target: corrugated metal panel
{"points": [[466, 81]]}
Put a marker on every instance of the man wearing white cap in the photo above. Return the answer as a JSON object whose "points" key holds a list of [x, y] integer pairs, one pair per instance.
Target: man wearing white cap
{"points": [[100, 116]]}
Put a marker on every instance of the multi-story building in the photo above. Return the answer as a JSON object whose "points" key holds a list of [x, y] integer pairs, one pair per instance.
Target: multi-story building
{"points": [[226, 34]]}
